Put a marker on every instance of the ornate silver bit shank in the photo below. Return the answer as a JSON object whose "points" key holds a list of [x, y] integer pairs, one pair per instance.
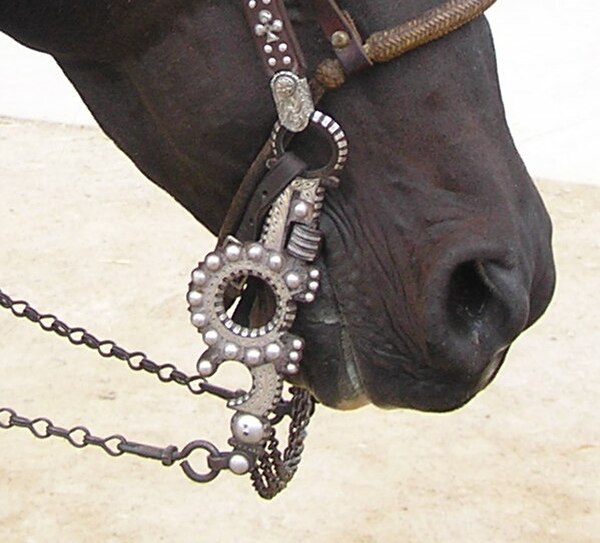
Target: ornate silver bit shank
{"points": [[335, 136], [280, 263], [269, 351]]}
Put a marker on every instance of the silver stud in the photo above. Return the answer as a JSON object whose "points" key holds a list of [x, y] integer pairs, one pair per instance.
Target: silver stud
{"points": [[211, 337], [233, 252], [309, 297], [315, 274], [272, 61], [294, 356], [247, 428], [293, 280], [313, 285], [287, 60], [205, 368], [194, 298], [275, 262], [253, 356], [272, 351], [252, 4], [266, 2], [282, 47], [291, 369], [199, 320], [301, 210], [264, 16], [239, 464], [213, 262], [255, 251], [231, 351], [199, 277], [298, 344], [268, 49]]}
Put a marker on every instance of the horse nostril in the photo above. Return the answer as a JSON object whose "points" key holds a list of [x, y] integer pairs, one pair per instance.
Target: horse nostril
{"points": [[485, 305], [469, 295], [486, 300]]}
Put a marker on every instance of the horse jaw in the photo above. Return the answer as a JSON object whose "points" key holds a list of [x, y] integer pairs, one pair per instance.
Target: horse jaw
{"points": [[438, 251]]}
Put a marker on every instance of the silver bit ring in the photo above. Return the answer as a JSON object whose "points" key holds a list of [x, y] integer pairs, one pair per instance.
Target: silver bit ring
{"points": [[335, 136]]}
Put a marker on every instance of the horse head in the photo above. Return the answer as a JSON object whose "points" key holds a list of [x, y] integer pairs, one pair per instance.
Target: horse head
{"points": [[437, 245]]}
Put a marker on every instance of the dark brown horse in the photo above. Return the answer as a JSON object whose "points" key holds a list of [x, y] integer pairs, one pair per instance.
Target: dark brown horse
{"points": [[437, 248]]}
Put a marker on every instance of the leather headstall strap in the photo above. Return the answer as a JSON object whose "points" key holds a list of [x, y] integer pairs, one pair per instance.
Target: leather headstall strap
{"points": [[380, 47], [283, 172], [283, 62], [343, 35], [274, 37], [280, 53]]}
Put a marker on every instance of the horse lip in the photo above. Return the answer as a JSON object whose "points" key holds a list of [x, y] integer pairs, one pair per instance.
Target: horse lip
{"points": [[492, 369], [330, 367], [359, 395]]}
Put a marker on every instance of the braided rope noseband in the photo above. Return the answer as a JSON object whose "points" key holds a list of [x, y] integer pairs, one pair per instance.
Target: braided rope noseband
{"points": [[389, 44]]}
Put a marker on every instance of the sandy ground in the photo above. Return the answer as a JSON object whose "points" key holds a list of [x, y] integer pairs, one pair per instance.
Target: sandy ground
{"points": [[83, 234]]}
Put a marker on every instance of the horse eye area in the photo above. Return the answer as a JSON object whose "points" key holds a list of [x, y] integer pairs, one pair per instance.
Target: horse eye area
{"points": [[245, 291], [468, 295]]}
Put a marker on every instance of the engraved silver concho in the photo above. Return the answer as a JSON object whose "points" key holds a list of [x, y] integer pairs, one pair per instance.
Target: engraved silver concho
{"points": [[221, 273], [293, 100]]}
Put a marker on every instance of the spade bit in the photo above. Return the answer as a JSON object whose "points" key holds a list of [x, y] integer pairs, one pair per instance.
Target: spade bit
{"points": [[281, 262]]}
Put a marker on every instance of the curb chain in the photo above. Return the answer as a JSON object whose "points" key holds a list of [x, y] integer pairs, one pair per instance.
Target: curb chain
{"points": [[272, 472]]}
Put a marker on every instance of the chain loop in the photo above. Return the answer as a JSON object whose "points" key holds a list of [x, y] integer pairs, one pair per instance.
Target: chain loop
{"points": [[273, 471]]}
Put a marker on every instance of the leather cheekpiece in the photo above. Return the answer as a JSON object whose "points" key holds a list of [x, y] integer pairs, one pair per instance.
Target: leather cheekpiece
{"points": [[343, 36]]}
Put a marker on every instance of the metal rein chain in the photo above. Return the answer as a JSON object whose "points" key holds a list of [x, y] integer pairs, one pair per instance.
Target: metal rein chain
{"points": [[271, 474], [137, 360]]}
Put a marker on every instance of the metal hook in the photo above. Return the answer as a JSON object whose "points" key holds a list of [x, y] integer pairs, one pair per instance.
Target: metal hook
{"points": [[190, 471]]}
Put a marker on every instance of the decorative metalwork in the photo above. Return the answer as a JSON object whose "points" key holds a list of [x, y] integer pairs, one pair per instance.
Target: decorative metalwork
{"points": [[268, 26], [277, 263], [335, 136], [293, 100]]}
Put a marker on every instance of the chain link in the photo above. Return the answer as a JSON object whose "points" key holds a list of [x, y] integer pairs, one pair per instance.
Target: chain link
{"points": [[137, 360], [273, 470], [116, 444]]}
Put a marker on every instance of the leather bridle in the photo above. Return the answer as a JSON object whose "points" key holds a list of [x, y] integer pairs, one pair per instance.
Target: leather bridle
{"points": [[271, 236], [352, 55], [268, 243]]}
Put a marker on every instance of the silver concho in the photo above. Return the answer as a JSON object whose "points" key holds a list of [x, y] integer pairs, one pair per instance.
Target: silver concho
{"points": [[293, 100], [222, 275]]}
